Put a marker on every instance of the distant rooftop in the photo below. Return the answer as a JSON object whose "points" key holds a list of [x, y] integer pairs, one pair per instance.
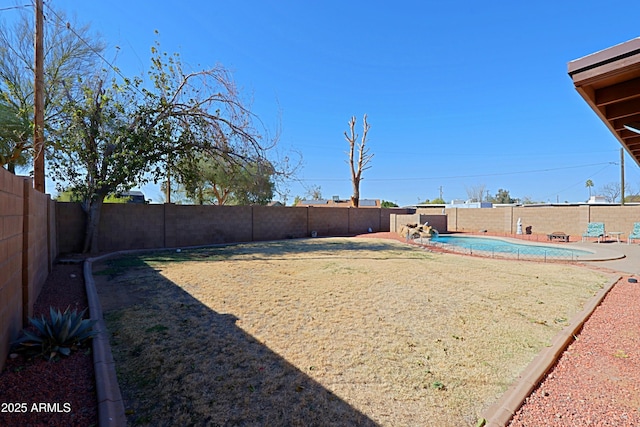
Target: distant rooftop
{"points": [[336, 202]]}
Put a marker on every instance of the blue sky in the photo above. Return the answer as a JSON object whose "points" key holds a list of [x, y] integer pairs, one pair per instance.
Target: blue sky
{"points": [[458, 94]]}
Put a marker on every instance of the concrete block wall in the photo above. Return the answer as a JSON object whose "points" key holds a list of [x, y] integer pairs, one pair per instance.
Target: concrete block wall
{"points": [[70, 223], [202, 225], [361, 220], [572, 220], [387, 217], [137, 226], [27, 250], [11, 227], [279, 222], [474, 220], [328, 221], [437, 221], [131, 225], [36, 260]]}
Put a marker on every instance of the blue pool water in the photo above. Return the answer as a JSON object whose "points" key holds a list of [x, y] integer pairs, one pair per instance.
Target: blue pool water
{"points": [[497, 246]]}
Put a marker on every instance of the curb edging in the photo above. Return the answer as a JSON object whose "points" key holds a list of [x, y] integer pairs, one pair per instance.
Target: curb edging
{"points": [[500, 413], [110, 403]]}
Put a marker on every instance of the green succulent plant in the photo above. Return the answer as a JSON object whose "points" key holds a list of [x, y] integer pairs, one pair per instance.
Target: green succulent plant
{"points": [[58, 335]]}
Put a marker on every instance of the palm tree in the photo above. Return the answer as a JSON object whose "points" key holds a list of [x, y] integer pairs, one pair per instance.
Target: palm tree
{"points": [[589, 184]]}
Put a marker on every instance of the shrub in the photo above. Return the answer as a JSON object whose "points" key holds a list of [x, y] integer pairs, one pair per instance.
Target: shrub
{"points": [[58, 335]]}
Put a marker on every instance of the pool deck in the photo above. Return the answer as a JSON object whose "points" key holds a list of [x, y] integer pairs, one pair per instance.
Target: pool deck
{"points": [[609, 254], [628, 263]]}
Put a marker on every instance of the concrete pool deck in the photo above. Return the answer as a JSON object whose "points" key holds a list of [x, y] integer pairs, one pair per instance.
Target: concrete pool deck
{"points": [[604, 256]]}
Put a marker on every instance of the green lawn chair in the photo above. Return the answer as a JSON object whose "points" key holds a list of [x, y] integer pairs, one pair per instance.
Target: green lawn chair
{"points": [[594, 229], [635, 234]]}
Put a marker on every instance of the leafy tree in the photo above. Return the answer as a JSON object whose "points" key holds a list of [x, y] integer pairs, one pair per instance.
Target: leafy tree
{"points": [[115, 136], [502, 197], [256, 186], [220, 181], [15, 131], [364, 157], [69, 50], [103, 147], [436, 201], [67, 196], [388, 204], [71, 196]]}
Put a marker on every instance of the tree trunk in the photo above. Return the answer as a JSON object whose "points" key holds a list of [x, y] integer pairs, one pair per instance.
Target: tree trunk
{"points": [[355, 199], [93, 223]]}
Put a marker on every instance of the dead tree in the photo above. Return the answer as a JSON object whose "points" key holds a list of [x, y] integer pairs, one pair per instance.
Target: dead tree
{"points": [[364, 157]]}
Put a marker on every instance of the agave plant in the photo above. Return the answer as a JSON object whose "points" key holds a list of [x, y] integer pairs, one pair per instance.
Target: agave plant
{"points": [[60, 334]]}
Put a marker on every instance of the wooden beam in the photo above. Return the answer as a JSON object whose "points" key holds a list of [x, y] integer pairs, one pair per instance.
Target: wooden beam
{"points": [[618, 92], [631, 141], [618, 124], [622, 109], [633, 145]]}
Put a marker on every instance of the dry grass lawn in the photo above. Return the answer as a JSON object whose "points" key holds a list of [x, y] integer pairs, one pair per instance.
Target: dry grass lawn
{"points": [[332, 331]]}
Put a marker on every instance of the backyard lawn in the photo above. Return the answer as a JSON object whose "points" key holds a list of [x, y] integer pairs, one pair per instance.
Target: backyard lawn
{"points": [[328, 331]]}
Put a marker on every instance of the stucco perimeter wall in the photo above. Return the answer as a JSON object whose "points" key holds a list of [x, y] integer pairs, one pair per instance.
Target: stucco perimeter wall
{"points": [[572, 220], [27, 250], [137, 226]]}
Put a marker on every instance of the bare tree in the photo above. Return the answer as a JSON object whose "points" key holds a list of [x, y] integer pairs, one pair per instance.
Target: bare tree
{"points": [[314, 192], [611, 192], [364, 157], [476, 192]]}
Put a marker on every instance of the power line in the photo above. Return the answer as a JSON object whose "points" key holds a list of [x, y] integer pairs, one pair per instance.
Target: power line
{"points": [[24, 6], [579, 183], [467, 176]]}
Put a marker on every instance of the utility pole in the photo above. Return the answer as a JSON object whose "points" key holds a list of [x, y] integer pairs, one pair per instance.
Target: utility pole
{"points": [[622, 177], [38, 100], [441, 193]]}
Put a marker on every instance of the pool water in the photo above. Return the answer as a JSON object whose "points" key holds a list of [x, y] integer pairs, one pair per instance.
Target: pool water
{"points": [[497, 246]]}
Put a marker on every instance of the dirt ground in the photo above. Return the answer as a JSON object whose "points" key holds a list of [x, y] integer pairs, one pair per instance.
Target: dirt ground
{"points": [[325, 331]]}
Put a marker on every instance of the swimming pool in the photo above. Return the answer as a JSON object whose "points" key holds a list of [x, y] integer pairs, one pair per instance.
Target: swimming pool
{"points": [[497, 247]]}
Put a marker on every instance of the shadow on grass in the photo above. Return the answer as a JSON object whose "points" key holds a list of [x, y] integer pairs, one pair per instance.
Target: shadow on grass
{"points": [[181, 363]]}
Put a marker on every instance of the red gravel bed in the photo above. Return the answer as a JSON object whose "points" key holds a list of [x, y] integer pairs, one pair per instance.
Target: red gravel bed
{"points": [[69, 380], [596, 381]]}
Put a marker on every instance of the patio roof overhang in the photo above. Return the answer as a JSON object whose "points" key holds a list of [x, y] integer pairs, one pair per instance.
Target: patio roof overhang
{"points": [[609, 81]]}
